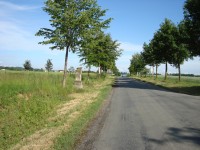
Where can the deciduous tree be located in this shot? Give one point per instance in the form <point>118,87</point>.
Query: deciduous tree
<point>165,43</point>
<point>71,21</point>
<point>100,51</point>
<point>137,64</point>
<point>180,53</point>
<point>192,22</point>
<point>27,65</point>
<point>49,65</point>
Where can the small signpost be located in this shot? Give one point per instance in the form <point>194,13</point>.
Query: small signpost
<point>78,79</point>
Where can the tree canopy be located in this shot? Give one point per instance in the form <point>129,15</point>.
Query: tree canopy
<point>100,51</point>
<point>167,46</point>
<point>137,64</point>
<point>173,44</point>
<point>192,22</point>
<point>27,65</point>
<point>71,22</point>
<point>165,43</point>
<point>49,65</point>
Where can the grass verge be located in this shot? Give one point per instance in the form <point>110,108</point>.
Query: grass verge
<point>35,108</point>
<point>69,139</point>
<point>187,85</point>
<point>27,99</point>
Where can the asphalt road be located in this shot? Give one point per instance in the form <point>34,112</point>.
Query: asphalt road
<point>146,117</point>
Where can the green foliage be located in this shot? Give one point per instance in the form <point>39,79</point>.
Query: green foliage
<point>144,72</point>
<point>148,54</point>
<point>137,64</point>
<point>192,22</point>
<point>71,70</point>
<point>116,71</point>
<point>27,65</point>
<point>181,49</point>
<point>71,22</point>
<point>175,43</point>
<point>167,46</point>
<point>165,38</point>
<point>180,53</point>
<point>49,65</point>
<point>100,50</point>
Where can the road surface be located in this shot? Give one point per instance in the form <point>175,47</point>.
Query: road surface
<point>146,117</point>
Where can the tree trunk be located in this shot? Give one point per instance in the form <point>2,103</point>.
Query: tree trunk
<point>65,67</point>
<point>179,72</point>
<point>99,69</point>
<point>166,70</point>
<point>88,72</point>
<point>156,71</point>
<point>153,72</point>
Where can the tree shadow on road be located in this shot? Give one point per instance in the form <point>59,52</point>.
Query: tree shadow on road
<point>125,82</point>
<point>194,90</point>
<point>179,135</point>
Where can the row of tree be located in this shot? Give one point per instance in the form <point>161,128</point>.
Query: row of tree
<point>101,51</point>
<point>48,66</point>
<point>78,26</point>
<point>172,44</point>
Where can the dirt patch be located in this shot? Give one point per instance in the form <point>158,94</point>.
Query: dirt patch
<point>25,96</point>
<point>43,139</point>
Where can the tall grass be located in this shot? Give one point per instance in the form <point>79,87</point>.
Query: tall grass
<point>27,99</point>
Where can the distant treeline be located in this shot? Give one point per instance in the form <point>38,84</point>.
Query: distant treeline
<point>19,68</point>
<point>187,75</point>
<point>34,69</point>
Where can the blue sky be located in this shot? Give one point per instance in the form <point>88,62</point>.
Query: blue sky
<point>134,22</point>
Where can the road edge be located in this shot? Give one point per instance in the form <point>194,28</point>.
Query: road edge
<point>95,126</point>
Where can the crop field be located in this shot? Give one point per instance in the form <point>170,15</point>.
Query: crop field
<point>34,101</point>
<point>187,85</point>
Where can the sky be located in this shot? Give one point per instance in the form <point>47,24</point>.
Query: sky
<point>134,22</point>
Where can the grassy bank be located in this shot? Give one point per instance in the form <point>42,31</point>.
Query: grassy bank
<point>187,85</point>
<point>69,139</point>
<point>26,100</point>
<point>33,104</point>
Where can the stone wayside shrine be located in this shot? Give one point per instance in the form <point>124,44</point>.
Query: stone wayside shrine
<point>78,79</point>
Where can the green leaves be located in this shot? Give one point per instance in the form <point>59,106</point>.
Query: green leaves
<point>192,22</point>
<point>167,46</point>
<point>137,63</point>
<point>100,50</point>
<point>27,65</point>
<point>71,20</point>
<point>49,65</point>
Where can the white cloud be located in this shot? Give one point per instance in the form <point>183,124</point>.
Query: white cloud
<point>13,32</point>
<point>130,47</point>
<point>11,6</point>
<point>14,37</point>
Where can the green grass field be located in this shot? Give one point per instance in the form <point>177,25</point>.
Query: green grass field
<point>28,99</point>
<point>187,85</point>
